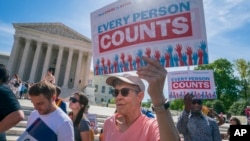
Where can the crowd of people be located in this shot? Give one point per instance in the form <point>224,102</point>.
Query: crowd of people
<point>129,122</point>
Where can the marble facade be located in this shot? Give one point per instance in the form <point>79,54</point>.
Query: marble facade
<point>39,46</point>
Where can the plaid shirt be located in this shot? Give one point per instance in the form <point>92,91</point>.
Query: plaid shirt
<point>201,128</point>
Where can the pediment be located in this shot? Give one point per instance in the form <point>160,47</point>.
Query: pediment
<point>54,28</point>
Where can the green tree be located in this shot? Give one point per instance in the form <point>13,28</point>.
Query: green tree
<point>146,104</point>
<point>225,82</point>
<point>243,68</point>
<point>238,108</point>
<point>217,105</point>
<point>112,101</point>
<point>177,104</point>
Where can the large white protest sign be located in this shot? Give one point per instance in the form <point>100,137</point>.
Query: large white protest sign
<point>171,31</point>
<point>197,82</point>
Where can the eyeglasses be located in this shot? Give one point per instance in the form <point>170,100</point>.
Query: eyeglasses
<point>73,100</point>
<point>197,102</point>
<point>124,92</point>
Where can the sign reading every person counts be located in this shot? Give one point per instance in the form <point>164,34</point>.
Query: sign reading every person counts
<point>200,83</point>
<point>171,31</point>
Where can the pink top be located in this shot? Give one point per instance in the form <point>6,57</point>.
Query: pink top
<point>143,129</point>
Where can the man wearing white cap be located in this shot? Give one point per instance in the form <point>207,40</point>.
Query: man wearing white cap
<point>129,123</point>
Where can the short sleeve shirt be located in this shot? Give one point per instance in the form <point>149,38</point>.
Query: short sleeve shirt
<point>84,126</point>
<point>143,129</point>
<point>8,102</point>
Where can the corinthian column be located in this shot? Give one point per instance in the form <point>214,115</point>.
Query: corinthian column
<point>78,70</point>
<point>24,57</point>
<point>34,63</point>
<point>47,59</point>
<point>88,68</point>
<point>66,78</point>
<point>58,62</point>
<point>13,55</point>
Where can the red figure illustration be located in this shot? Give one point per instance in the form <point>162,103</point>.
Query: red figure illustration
<point>200,54</point>
<point>96,69</point>
<point>148,52</point>
<point>123,58</point>
<point>167,58</point>
<point>108,64</point>
<point>138,61</point>
<point>189,53</point>
<point>157,55</point>
<point>130,59</point>
<point>178,50</point>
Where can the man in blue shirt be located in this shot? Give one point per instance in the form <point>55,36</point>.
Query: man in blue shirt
<point>194,125</point>
<point>10,109</point>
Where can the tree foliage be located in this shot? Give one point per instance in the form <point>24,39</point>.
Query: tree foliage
<point>177,104</point>
<point>217,105</point>
<point>146,104</point>
<point>238,108</point>
<point>243,69</point>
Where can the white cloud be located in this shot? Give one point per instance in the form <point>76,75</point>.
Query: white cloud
<point>6,29</point>
<point>225,15</point>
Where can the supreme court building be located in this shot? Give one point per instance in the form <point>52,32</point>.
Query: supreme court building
<point>39,46</point>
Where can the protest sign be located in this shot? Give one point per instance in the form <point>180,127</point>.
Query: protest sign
<point>198,82</point>
<point>172,31</point>
<point>93,121</point>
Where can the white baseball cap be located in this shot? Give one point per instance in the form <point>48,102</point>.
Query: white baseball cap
<point>127,78</point>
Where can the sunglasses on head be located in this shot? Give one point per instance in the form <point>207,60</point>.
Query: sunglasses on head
<point>124,92</point>
<point>197,102</point>
<point>73,100</point>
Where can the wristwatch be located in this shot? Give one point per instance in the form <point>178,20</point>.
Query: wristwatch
<point>161,108</point>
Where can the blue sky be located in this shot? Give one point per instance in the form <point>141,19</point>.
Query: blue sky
<point>227,22</point>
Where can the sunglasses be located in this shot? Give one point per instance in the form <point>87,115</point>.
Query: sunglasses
<point>124,92</point>
<point>197,102</point>
<point>73,100</point>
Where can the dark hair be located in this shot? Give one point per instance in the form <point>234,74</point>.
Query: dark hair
<point>83,100</point>
<point>45,88</point>
<point>4,73</point>
<point>236,120</point>
<point>58,90</point>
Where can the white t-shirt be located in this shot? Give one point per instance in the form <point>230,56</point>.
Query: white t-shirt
<point>58,121</point>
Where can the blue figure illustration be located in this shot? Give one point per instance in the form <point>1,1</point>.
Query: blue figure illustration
<point>105,69</point>
<point>176,60</point>
<point>120,68</point>
<point>184,59</point>
<point>127,66</point>
<point>112,68</point>
<point>203,47</point>
<point>162,60</point>
<point>134,64</point>
<point>195,58</point>
<point>140,54</point>
<point>100,70</point>
<point>202,95</point>
<point>170,51</point>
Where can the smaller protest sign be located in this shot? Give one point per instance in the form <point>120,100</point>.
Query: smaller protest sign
<point>200,83</point>
<point>93,121</point>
